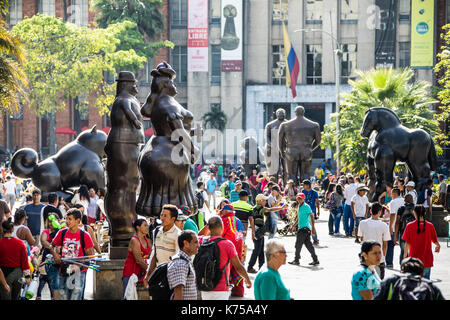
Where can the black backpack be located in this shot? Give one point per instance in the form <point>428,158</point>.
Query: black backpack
<point>412,287</point>
<point>158,284</point>
<point>421,196</point>
<point>199,197</point>
<point>407,217</point>
<point>207,265</point>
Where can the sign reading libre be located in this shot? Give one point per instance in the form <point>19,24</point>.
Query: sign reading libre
<point>422,33</point>
<point>198,36</point>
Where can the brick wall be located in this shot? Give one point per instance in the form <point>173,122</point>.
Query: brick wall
<point>164,53</point>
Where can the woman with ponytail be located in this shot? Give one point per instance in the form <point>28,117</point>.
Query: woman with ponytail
<point>138,252</point>
<point>418,237</point>
<point>365,281</point>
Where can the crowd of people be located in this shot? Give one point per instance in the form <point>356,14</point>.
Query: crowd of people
<point>233,209</point>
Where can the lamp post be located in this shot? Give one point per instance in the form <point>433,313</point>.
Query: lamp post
<point>337,71</point>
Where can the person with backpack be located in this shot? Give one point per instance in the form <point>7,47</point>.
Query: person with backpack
<point>409,285</point>
<point>213,263</point>
<point>425,198</point>
<point>418,237</point>
<point>165,239</point>
<point>201,198</point>
<point>227,186</point>
<point>71,242</point>
<point>405,215</point>
<point>180,270</point>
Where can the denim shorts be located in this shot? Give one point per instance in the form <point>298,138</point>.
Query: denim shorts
<point>53,276</point>
<point>358,220</point>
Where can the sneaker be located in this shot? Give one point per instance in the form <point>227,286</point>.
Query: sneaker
<point>295,262</point>
<point>357,240</point>
<point>314,263</point>
<point>251,270</point>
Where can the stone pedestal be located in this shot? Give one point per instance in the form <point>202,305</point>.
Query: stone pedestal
<point>441,226</point>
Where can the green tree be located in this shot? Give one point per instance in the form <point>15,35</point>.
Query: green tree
<point>145,34</point>
<point>389,88</point>
<point>66,61</point>
<point>13,79</point>
<point>442,92</point>
<point>215,119</point>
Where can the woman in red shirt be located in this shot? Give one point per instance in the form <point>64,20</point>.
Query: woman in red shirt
<point>138,251</point>
<point>418,236</point>
<point>13,262</point>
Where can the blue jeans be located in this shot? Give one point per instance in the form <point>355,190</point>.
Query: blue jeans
<point>337,213</point>
<point>53,276</point>
<point>124,284</point>
<point>427,273</point>
<point>348,215</point>
<point>330,223</point>
<point>72,287</point>
<point>274,220</point>
<point>390,252</point>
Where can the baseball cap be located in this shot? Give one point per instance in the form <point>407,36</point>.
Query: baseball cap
<point>411,184</point>
<point>260,197</point>
<point>301,195</point>
<point>227,207</point>
<point>181,216</point>
<point>238,182</point>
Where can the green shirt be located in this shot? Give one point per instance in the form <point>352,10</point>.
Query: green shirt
<point>220,170</point>
<point>258,215</point>
<point>303,216</point>
<point>190,225</point>
<point>268,285</point>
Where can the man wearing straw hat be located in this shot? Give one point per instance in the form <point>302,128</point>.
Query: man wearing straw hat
<point>360,207</point>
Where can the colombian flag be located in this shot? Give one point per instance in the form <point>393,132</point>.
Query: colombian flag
<point>292,65</point>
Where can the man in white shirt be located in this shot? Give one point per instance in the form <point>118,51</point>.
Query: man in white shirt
<point>376,230</point>
<point>410,190</point>
<point>392,208</point>
<point>349,192</point>
<point>10,191</point>
<point>360,207</point>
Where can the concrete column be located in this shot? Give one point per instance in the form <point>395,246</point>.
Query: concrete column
<point>366,34</point>
<point>330,23</point>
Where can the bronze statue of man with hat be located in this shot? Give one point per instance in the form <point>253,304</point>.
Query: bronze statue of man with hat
<point>273,159</point>
<point>122,148</point>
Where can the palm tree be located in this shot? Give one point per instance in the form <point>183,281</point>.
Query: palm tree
<point>389,88</point>
<point>12,57</point>
<point>215,119</point>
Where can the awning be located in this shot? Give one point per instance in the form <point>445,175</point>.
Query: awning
<point>148,132</point>
<point>106,130</point>
<point>65,130</point>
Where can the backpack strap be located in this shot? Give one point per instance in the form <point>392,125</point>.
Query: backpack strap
<point>216,241</point>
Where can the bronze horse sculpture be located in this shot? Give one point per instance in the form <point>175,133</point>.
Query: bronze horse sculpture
<point>394,142</point>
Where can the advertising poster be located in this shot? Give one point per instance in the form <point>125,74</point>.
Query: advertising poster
<point>385,34</point>
<point>422,31</point>
<point>231,31</point>
<point>197,35</point>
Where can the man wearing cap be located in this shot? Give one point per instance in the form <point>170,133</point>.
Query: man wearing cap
<point>305,228</point>
<point>183,222</point>
<point>261,218</point>
<point>410,190</point>
<point>122,148</point>
<point>34,213</point>
<point>234,194</point>
<point>360,207</point>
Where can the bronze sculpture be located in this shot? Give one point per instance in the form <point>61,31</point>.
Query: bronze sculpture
<point>122,147</point>
<point>251,156</point>
<point>274,160</point>
<point>79,162</point>
<point>297,140</point>
<point>394,142</point>
<point>164,162</point>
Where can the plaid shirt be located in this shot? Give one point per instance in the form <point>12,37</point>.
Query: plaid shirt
<point>181,272</point>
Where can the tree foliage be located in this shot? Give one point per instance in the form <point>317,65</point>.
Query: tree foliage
<point>144,35</point>
<point>215,119</point>
<point>389,88</point>
<point>442,70</point>
<point>69,61</point>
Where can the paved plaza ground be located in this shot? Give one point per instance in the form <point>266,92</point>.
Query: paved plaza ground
<point>331,279</point>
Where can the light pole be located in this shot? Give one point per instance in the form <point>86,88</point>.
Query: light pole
<point>337,71</point>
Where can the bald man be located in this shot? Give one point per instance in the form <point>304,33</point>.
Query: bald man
<point>297,140</point>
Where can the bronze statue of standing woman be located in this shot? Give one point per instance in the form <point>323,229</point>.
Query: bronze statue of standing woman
<point>166,158</point>
<point>122,148</point>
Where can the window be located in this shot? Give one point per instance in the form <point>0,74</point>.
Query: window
<point>15,12</point>
<point>46,7</point>
<point>179,63</point>
<point>79,12</point>
<point>404,54</point>
<point>215,64</point>
<point>348,65</point>
<point>349,11</point>
<point>313,64</point>
<point>313,11</point>
<point>145,73</point>
<point>178,16</point>
<point>278,65</point>
<point>280,10</point>
<point>404,11</point>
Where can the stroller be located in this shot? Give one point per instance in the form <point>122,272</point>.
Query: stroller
<point>291,220</point>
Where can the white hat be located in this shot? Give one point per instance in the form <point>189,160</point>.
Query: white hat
<point>411,184</point>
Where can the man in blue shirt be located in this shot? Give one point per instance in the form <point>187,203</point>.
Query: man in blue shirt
<point>311,198</point>
<point>34,212</point>
<point>304,231</point>
<point>211,185</point>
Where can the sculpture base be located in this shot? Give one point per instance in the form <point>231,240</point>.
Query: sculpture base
<point>108,281</point>
<point>118,252</point>
<point>437,219</point>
